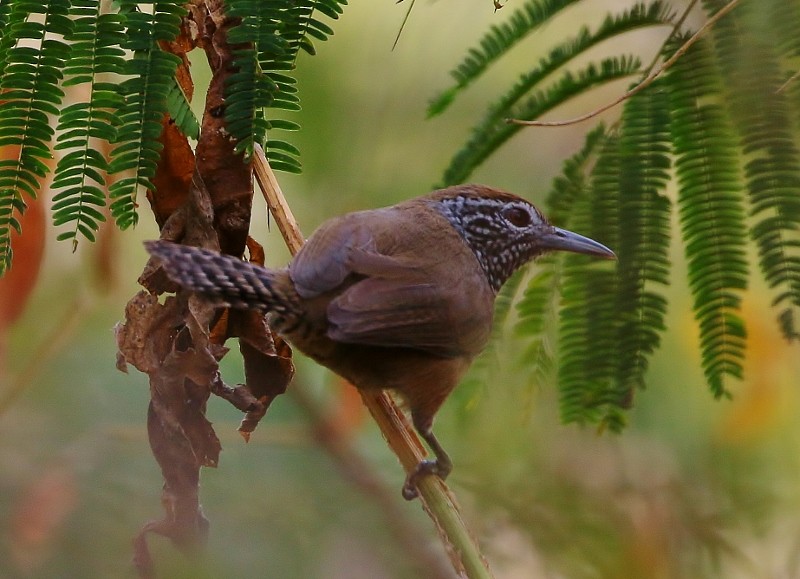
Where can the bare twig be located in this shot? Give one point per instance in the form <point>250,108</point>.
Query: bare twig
<point>403,24</point>
<point>276,203</point>
<point>789,81</point>
<point>437,500</point>
<point>675,28</point>
<point>649,79</point>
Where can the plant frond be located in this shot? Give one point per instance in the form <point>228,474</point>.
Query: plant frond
<point>644,236</point>
<point>493,131</point>
<point>180,111</point>
<point>6,39</point>
<point>33,59</point>
<point>80,174</point>
<point>497,42</point>
<point>152,72</point>
<point>538,304</point>
<point>11,205</point>
<point>536,310</point>
<point>712,215</point>
<point>303,25</point>
<point>271,34</point>
<point>588,363</point>
<point>780,24</point>
<point>641,15</point>
<point>752,68</point>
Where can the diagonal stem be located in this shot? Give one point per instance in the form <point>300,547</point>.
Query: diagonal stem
<point>437,499</point>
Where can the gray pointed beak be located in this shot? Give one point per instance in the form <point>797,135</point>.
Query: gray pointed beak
<point>562,240</point>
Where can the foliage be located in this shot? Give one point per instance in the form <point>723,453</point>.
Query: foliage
<point>711,211</point>
<point>30,92</point>
<point>720,115</point>
<point>526,99</point>
<point>109,140</point>
<point>731,138</point>
<point>271,33</point>
<point>745,49</point>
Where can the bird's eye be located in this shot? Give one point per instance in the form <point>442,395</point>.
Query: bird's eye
<point>517,216</point>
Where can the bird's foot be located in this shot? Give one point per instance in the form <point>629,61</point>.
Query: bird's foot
<point>423,469</point>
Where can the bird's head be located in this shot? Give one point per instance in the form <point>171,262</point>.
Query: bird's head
<point>505,231</point>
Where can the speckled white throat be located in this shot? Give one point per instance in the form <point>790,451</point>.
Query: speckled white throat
<point>501,230</point>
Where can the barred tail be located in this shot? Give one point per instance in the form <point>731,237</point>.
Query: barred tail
<point>225,278</point>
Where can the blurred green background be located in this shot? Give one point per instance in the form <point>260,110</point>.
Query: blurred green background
<point>693,488</point>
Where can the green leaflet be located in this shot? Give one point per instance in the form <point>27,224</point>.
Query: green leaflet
<point>536,307</point>
<point>271,35</point>
<point>711,210</point>
<point>748,48</point>
<point>113,49</point>
<point>30,90</point>
<point>180,111</point>
<point>644,235</point>
<point>496,43</point>
<point>80,176</point>
<point>611,319</point>
<point>150,74</point>
<point>586,343</point>
<point>492,132</point>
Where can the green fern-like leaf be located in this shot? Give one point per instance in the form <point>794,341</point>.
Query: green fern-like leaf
<point>152,71</point>
<point>80,173</point>
<point>644,236</point>
<point>180,111</point>
<point>33,61</point>
<point>492,132</point>
<point>250,89</point>
<point>271,35</point>
<point>497,42</point>
<point>536,310</point>
<point>6,39</point>
<point>639,16</point>
<point>711,210</point>
<point>571,185</point>
<point>752,66</point>
<point>537,306</point>
<point>779,23</point>
<point>303,26</point>
<point>611,317</point>
<point>587,357</point>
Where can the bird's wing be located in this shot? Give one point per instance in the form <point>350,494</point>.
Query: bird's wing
<point>422,303</point>
<point>392,284</point>
<point>323,264</point>
<point>347,248</point>
<point>393,313</point>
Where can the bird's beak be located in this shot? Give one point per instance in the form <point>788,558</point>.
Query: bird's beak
<point>562,240</point>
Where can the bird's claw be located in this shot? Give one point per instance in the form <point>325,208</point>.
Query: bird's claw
<point>423,469</point>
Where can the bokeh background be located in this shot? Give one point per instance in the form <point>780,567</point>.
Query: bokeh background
<point>693,488</point>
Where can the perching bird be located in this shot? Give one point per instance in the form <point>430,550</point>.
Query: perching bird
<point>396,298</point>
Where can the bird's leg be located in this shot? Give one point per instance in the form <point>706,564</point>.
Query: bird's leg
<point>440,466</point>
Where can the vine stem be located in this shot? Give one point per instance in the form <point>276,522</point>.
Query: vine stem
<point>648,80</point>
<point>437,498</point>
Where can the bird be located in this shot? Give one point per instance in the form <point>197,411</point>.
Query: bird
<point>399,298</point>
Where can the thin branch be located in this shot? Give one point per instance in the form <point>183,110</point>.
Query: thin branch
<point>276,203</point>
<point>678,25</point>
<point>789,81</point>
<point>649,79</point>
<point>437,499</point>
<point>403,24</point>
